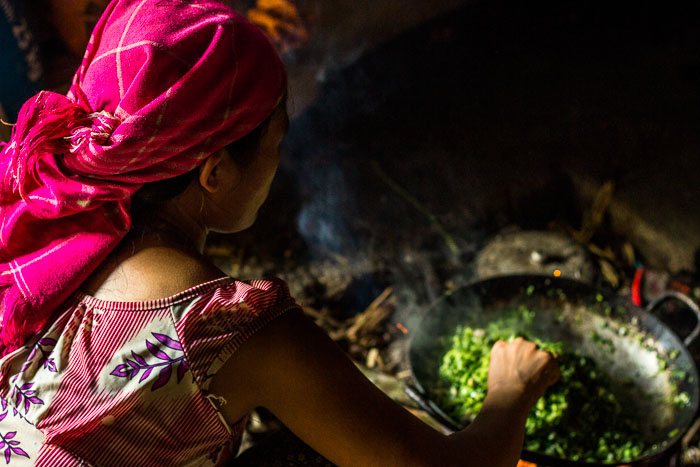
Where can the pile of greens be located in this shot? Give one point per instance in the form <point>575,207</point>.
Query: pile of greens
<point>583,417</point>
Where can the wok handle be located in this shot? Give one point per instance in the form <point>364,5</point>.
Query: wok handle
<point>689,302</point>
<point>419,397</point>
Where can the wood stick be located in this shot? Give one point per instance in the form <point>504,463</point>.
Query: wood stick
<point>323,317</point>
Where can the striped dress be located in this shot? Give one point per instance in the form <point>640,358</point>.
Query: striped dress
<point>126,383</point>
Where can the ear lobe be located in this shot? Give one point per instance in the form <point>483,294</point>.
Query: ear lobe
<point>213,173</point>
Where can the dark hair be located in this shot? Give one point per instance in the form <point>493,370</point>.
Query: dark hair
<point>150,198</point>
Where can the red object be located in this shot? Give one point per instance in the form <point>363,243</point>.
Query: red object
<point>637,286</point>
<point>681,287</point>
<point>162,86</point>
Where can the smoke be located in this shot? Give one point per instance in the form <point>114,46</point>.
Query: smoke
<point>323,218</point>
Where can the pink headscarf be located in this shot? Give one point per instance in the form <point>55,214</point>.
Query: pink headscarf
<point>163,84</point>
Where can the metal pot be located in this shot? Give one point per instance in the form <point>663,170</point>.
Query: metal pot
<point>569,311</point>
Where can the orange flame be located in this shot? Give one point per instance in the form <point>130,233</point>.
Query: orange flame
<point>522,463</point>
<point>281,20</point>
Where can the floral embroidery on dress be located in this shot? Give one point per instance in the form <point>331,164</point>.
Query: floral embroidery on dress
<point>26,394</point>
<point>132,368</point>
<point>10,445</point>
<point>46,358</point>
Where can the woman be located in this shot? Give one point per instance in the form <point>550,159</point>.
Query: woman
<point>121,343</point>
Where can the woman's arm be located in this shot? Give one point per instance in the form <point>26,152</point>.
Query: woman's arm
<point>294,369</point>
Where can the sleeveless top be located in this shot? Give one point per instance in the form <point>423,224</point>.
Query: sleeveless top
<point>126,383</point>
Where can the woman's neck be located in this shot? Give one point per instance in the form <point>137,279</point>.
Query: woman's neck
<point>172,227</point>
<point>180,227</point>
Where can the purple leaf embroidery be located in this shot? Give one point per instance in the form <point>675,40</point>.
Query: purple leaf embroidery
<point>3,402</point>
<point>163,378</point>
<point>121,370</point>
<point>7,443</point>
<point>164,363</point>
<point>139,358</point>
<point>167,341</point>
<point>25,394</point>
<point>181,370</point>
<point>20,451</point>
<point>146,374</point>
<point>44,341</point>
<point>156,351</point>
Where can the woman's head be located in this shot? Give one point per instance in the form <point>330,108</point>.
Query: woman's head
<point>226,191</point>
<point>234,189</point>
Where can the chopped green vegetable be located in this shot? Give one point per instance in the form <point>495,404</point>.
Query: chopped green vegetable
<point>582,417</point>
<point>677,373</point>
<point>682,399</point>
<point>605,344</point>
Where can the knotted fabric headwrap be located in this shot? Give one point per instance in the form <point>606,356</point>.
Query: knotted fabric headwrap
<point>163,84</point>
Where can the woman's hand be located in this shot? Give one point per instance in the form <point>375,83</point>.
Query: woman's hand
<point>519,370</point>
<point>519,373</point>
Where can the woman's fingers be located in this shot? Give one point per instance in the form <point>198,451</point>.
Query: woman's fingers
<point>521,366</point>
<point>552,373</point>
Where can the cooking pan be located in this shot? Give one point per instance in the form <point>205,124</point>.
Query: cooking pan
<point>642,349</point>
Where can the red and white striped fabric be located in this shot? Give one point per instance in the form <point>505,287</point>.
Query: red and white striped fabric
<point>114,383</point>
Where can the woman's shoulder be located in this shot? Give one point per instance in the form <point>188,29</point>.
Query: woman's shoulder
<point>151,273</point>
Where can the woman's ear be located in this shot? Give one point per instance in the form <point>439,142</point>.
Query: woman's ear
<point>216,171</point>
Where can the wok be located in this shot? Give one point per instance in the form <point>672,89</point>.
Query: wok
<point>570,311</point>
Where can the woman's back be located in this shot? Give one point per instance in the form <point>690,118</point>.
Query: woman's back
<point>156,270</point>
